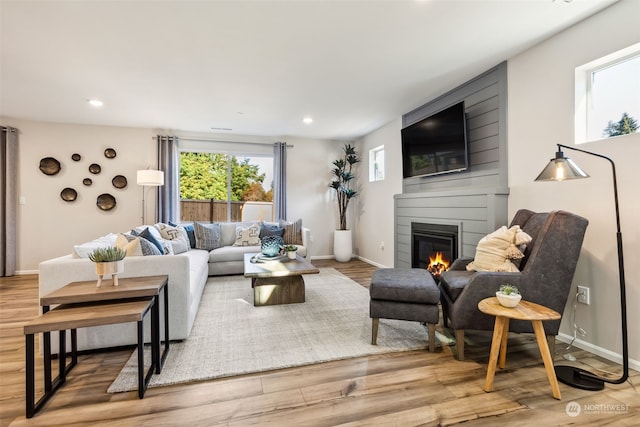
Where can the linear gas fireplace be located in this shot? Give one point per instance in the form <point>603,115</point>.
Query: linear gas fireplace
<point>434,246</point>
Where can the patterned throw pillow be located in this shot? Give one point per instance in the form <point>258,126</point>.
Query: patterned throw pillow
<point>207,235</point>
<point>177,237</point>
<point>292,232</point>
<point>247,236</point>
<point>191,232</point>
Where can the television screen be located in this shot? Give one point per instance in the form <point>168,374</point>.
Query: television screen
<point>436,144</point>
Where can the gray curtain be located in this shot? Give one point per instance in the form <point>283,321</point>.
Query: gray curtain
<point>168,197</point>
<point>280,180</point>
<point>8,200</point>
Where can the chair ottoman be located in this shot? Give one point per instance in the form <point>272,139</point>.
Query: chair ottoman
<point>404,294</point>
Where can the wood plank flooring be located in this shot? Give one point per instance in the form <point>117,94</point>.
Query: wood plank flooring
<point>414,388</point>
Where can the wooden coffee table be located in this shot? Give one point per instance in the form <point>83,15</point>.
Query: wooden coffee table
<point>277,282</point>
<point>525,310</point>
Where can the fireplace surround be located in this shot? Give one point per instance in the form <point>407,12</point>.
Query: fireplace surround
<point>429,240</point>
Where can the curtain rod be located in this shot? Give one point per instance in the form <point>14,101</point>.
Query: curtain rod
<point>220,140</point>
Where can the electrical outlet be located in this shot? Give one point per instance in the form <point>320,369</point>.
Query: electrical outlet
<point>382,246</point>
<point>583,295</point>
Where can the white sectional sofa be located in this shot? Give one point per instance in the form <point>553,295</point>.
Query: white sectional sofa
<point>187,271</point>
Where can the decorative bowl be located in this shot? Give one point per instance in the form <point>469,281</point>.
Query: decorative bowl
<point>509,301</point>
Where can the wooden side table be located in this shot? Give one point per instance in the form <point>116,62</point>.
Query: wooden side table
<point>525,310</point>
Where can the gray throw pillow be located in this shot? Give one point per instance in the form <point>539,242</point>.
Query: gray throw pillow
<point>147,247</point>
<point>270,229</point>
<point>207,235</point>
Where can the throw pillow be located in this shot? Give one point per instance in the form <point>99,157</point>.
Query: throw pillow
<point>177,237</point>
<point>207,235</point>
<point>270,229</point>
<point>496,250</point>
<point>132,247</point>
<point>191,233</point>
<point>292,232</point>
<point>146,246</point>
<point>247,236</point>
<point>146,234</point>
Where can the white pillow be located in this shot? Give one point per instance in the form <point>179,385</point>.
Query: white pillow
<point>248,236</point>
<point>83,250</point>
<point>496,250</point>
<point>132,247</point>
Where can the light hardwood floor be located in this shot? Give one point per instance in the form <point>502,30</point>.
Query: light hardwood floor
<point>400,389</point>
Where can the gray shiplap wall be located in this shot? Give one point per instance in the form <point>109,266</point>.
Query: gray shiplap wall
<point>476,199</point>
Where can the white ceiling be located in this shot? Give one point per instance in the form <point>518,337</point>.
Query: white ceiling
<point>257,67</point>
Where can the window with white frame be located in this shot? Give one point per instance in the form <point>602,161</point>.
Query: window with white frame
<point>607,96</point>
<point>376,164</point>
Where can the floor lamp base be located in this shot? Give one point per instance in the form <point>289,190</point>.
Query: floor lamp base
<point>574,377</point>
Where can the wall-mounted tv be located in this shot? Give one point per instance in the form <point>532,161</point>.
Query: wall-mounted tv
<point>436,144</point>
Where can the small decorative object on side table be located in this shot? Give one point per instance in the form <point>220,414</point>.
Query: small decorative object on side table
<point>290,250</point>
<point>508,296</point>
<point>108,260</point>
<point>270,245</point>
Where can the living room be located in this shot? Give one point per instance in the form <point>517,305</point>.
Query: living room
<point>540,115</point>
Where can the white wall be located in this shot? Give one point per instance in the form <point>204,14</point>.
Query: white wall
<point>373,210</point>
<point>48,227</point>
<point>541,114</point>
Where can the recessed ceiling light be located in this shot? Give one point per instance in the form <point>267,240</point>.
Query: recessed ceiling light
<point>307,120</point>
<point>95,103</point>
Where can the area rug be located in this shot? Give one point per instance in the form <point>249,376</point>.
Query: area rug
<point>232,337</point>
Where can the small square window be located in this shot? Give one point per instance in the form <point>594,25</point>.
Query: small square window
<point>608,96</point>
<point>376,164</point>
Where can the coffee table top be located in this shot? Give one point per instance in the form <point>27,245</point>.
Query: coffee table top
<point>130,287</point>
<point>525,310</point>
<point>282,268</point>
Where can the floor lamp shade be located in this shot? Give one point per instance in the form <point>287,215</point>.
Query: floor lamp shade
<point>151,178</point>
<point>562,168</point>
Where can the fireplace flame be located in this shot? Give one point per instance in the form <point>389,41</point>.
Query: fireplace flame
<point>437,264</point>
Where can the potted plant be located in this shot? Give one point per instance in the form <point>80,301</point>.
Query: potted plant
<point>109,260</point>
<point>290,250</point>
<point>342,181</point>
<point>508,295</point>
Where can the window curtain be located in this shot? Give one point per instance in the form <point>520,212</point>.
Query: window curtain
<point>8,200</point>
<point>168,197</point>
<point>280,180</point>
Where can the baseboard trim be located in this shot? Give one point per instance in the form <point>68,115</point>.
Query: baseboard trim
<point>368,261</point>
<point>25,272</point>
<point>599,351</point>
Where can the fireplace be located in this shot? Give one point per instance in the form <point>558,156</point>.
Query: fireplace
<point>434,246</point>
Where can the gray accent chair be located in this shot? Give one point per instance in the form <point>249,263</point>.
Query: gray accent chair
<point>545,276</point>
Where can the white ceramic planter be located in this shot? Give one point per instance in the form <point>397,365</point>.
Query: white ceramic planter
<point>342,245</point>
<point>291,254</point>
<point>113,268</point>
<point>509,301</point>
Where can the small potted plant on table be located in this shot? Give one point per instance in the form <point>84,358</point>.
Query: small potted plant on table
<point>508,295</point>
<point>290,250</point>
<point>108,260</point>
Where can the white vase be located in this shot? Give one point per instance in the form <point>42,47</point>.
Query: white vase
<point>113,268</point>
<point>291,254</point>
<point>342,245</point>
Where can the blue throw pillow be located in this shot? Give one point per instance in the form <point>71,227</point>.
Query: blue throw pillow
<point>191,232</point>
<point>147,235</point>
<point>270,229</point>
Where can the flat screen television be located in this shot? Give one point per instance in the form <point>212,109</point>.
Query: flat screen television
<point>436,144</point>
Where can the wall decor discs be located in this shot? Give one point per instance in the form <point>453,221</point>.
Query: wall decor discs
<point>76,157</point>
<point>110,153</point>
<point>68,194</point>
<point>94,168</point>
<point>119,181</point>
<point>49,166</point>
<point>87,181</point>
<point>106,202</point>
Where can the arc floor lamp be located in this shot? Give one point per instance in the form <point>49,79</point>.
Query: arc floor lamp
<point>562,168</point>
<point>148,178</point>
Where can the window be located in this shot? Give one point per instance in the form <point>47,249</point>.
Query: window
<point>376,164</point>
<point>608,96</point>
<point>225,187</point>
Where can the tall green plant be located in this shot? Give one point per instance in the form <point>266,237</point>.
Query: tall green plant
<point>343,178</point>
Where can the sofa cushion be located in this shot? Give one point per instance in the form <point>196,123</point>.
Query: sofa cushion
<point>176,236</point>
<point>292,232</point>
<point>191,232</point>
<point>231,253</point>
<point>247,236</point>
<point>146,246</point>
<point>148,235</point>
<point>83,250</point>
<point>208,236</point>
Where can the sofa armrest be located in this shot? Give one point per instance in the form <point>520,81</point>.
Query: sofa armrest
<point>306,241</point>
<point>460,263</point>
